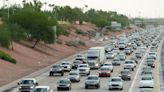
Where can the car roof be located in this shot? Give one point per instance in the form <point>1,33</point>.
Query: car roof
<point>42,87</point>
<point>29,79</point>
<point>92,75</point>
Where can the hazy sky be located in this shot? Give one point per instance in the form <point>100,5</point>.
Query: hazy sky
<point>131,8</point>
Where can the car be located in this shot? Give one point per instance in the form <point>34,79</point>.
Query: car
<point>84,69</point>
<point>133,57</point>
<point>147,72</point>
<point>138,54</point>
<point>64,83</point>
<point>42,89</point>
<point>56,69</point>
<point>122,56</point>
<point>104,71</point>
<point>76,63</point>
<point>67,66</point>
<point>150,62</point>
<point>110,55</point>
<point>116,50</point>
<point>146,90</point>
<point>128,51</point>
<point>125,74</point>
<point>74,76</point>
<point>142,49</point>
<point>129,64</point>
<point>146,82</point>
<point>116,61</point>
<point>152,54</point>
<point>81,58</point>
<point>27,84</point>
<point>109,64</point>
<point>115,83</point>
<point>92,80</point>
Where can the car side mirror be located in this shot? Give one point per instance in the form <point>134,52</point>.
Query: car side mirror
<point>36,84</point>
<point>18,83</point>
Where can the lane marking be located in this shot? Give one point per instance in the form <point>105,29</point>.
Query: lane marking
<point>157,80</point>
<point>135,77</point>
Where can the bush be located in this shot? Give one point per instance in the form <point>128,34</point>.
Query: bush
<point>72,43</point>
<point>82,43</point>
<point>7,57</point>
<point>80,32</point>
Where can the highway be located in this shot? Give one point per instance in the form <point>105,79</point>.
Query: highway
<point>129,86</point>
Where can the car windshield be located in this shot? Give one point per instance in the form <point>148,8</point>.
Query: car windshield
<point>63,81</point>
<point>151,53</point>
<point>73,74</point>
<point>107,64</point>
<point>27,82</point>
<point>146,78</point>
<point>128,62</point>
<point>56,66</point>
<point>82,65</point>
<point>104,69</point>
<point>124,72</point>
<point>92,78</point>
<point>115,80</point>
<point>40,90</point>
<point>65,63</point>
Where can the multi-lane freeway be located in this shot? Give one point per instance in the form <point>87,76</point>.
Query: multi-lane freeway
<point>128,86</point>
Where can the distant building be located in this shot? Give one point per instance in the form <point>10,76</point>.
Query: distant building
<point>116,26</point>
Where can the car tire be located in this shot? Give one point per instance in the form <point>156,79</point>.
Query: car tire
<point>98,86</point>
<point>109,89</point>
<point>86,87</point>
<point>121,88</point>
<point>132,69</point>
<point>129,79</point>
<point>62,74</point>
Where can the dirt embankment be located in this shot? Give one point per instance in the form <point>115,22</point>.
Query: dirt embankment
<point>30,60</point>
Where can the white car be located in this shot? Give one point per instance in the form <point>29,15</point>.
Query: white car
<point>109,64</point>
<point>84,69</point>
<point>42,89</point>
<point>129,64</point>
<point>74,76</point>
<point>146,82</point>
<point>67,66</point>
<point>115,83</point>
<point>116,61</point>
<point>110,55</point>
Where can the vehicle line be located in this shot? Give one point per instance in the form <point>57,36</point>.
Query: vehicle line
<point>135,77</point>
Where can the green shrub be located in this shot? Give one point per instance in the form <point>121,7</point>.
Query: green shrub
<point>72,43</point>
<point>82,43</point>
<point>7,57</point>
<point>80,32</point>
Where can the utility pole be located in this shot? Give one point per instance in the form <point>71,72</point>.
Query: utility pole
<point>8,10</point>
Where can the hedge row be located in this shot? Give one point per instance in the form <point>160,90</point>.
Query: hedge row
<point>7,57</point>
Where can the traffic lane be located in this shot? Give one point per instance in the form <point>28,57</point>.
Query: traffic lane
<point>155,75</point>
<point>44,79</point>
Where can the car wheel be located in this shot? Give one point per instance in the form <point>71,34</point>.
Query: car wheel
<point>86,87</point>
<point>58,88</point>
<point>98,86</point>
<point>121,88</point>
<point>109,88</point>
<point>129,78</point>
<point>132,69</point>
<point>62,74</point>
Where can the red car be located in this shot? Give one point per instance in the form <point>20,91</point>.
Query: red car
<point>104,71</point>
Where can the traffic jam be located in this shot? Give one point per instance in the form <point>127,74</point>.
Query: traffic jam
<point>113,67</point>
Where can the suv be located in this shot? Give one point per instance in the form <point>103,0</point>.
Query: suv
<point>84,69</point>
<point>129,64</point>
<point>92,80</point>
<point>128,51</point>
<point>56,68</point>
<point>67,66</point>
<point>27,84</point>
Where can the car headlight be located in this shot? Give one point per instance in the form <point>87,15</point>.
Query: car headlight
<point>51,69</point>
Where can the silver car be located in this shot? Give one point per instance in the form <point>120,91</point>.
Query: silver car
<point>84,69</point>
<point>64,83</point>
<point>74,76</point>
<point>92,80</point>
<point>115,83</point>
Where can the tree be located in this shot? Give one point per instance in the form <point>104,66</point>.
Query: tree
<point>5,38</point>
<point>37,24</point>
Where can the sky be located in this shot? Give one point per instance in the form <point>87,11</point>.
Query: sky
<point>131,8</point>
